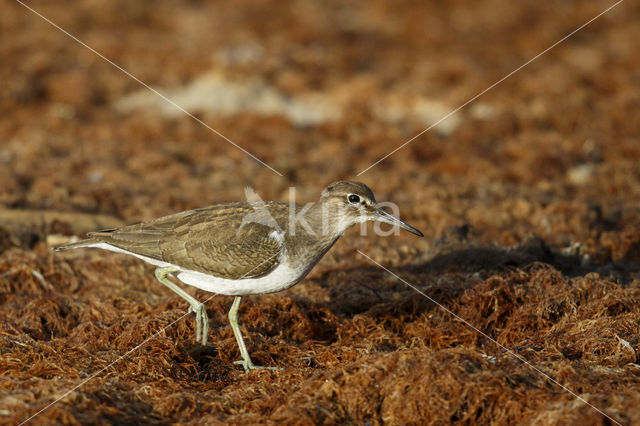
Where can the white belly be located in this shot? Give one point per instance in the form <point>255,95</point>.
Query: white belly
<point>282,277</point>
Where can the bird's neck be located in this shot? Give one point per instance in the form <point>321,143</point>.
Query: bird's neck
<point>319,221</point>
<point>312,230</point>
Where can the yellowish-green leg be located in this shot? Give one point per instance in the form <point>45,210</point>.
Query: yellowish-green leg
<point>202,321</point>
<point>246,359</point>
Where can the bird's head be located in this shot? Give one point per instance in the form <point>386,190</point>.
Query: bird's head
<point>349,203</point>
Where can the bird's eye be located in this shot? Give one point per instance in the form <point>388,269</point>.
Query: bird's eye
<point>353,198</point>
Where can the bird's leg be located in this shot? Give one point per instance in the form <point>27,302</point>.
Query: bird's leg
<point>246,359</point>
<point>202,321</point>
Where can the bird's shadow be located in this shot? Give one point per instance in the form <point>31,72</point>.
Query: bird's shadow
<point>446,275</point>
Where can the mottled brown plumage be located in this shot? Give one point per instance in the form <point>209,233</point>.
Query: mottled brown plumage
<point>212,240</point>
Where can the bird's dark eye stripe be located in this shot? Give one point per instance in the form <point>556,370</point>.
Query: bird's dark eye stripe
<point>353,198</point>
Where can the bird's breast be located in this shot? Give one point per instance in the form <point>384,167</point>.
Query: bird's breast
<point>280,278</point>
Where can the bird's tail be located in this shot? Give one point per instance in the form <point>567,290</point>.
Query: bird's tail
<point>82,243</point>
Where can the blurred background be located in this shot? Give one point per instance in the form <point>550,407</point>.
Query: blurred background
<point>319,91</point>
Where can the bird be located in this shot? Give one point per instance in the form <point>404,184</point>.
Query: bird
<point>243,248</point>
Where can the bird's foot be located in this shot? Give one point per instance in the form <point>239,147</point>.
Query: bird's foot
<point>248,366</point>
<point>202,322</point>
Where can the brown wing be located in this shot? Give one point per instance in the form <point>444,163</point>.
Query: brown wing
<point>212,240</point>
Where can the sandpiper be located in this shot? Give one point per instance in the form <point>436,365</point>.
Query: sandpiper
<point>243,248</point>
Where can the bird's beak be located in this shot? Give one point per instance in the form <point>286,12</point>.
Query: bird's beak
<point>385,217</point>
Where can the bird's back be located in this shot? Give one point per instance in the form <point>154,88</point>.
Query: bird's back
<point>236,240</point>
